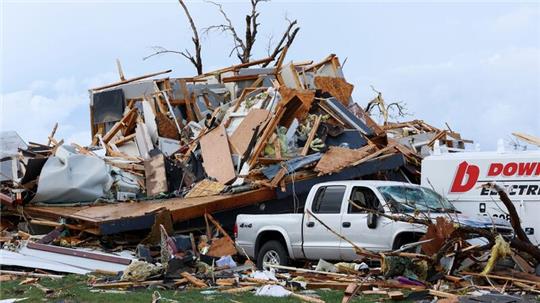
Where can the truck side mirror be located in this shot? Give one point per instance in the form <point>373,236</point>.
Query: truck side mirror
<point>372,220</point>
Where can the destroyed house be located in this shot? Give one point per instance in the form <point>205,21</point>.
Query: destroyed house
<point>240,139</point>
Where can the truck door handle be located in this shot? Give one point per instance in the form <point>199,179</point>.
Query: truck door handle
<point>310,224</point>
<point>346,224</point>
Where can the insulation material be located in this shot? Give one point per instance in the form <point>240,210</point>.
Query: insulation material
<point>156,179</point>
<point>140,271</point>
<point>338,158</point>
<point>74,178</point>
<point>337,87</point>
<point>217,160</point>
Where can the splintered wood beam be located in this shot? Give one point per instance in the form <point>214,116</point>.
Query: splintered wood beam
<point>131,80</point>
<point>118,125</point>
<point>268,131</point>
<point>124,140</point>
<point>234,67</point>
<point>51,136</point>
<point>311,136</point>
<point>120,71</point>
<point>193,280</point>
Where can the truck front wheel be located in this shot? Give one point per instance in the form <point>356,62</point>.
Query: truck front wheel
<point>272,252</point>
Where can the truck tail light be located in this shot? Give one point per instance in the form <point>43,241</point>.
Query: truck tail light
<point>235,230</point>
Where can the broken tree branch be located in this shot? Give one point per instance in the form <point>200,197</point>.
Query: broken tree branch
<point>196,59</point>
<point>514,217</point>
<point>521,242</point>
<point>286,40</point>
<point>243,46</point>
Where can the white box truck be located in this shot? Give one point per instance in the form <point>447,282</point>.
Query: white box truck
<point>458,177</point>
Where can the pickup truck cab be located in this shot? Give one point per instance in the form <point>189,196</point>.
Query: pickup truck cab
<point>283,237</point>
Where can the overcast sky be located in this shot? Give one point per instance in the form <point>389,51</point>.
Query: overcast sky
<point>475,65</point>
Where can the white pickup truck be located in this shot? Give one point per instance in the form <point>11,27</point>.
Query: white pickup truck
<point>280,238</point>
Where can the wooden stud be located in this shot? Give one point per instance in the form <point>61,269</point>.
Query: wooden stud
<point>311,136</point>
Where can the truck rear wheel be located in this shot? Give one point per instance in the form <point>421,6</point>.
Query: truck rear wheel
<point>272,252</point>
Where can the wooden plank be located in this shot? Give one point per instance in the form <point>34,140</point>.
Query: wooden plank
<point>131,80</point>
<point>234,67</point>
<point>244,132</point>
<point>118,125</point>
<point>193,280</point>
<point>311,136</point>
<point>268,131</point>
<point>216,155</point>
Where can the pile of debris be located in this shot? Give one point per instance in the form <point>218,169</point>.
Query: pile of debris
<point>223,141</point>
<point>173,160</point>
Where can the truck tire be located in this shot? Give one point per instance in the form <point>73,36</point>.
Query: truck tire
<point>272,252</point>
<point>406,239</point>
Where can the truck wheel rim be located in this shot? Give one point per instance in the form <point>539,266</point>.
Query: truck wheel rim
<point>271,257</point>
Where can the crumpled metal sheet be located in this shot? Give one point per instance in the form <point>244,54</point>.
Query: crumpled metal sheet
<point>73,178</point>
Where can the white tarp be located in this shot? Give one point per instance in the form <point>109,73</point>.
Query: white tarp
<point>72,177</point>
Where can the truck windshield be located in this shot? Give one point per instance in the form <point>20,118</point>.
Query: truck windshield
<point>414,198</point>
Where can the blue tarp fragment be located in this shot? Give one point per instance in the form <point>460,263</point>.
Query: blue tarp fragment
<point>291,165</point>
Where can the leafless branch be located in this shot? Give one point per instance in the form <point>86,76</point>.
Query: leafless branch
<point>401,108</point>
<point>243,46</point>
<point>386,110</point>
<point>228,27</point>
<point>286,39</point>
<point>196,59</point>
<point>158,50</point>
<point>269,45</point>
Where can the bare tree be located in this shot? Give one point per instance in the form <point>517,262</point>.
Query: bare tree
<point>386,110</point>
<point>196,59</point>
<point>244,47</point>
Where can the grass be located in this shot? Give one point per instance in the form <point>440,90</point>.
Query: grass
<point>74,288</point>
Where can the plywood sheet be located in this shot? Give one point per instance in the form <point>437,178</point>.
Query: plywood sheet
<point>244,132</point>
<point>337,158</point>
<point>337,87</point>
<point>216,155</point>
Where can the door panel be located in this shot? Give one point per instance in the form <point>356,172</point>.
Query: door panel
<point>319,242</point>
<point>377,238</point>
